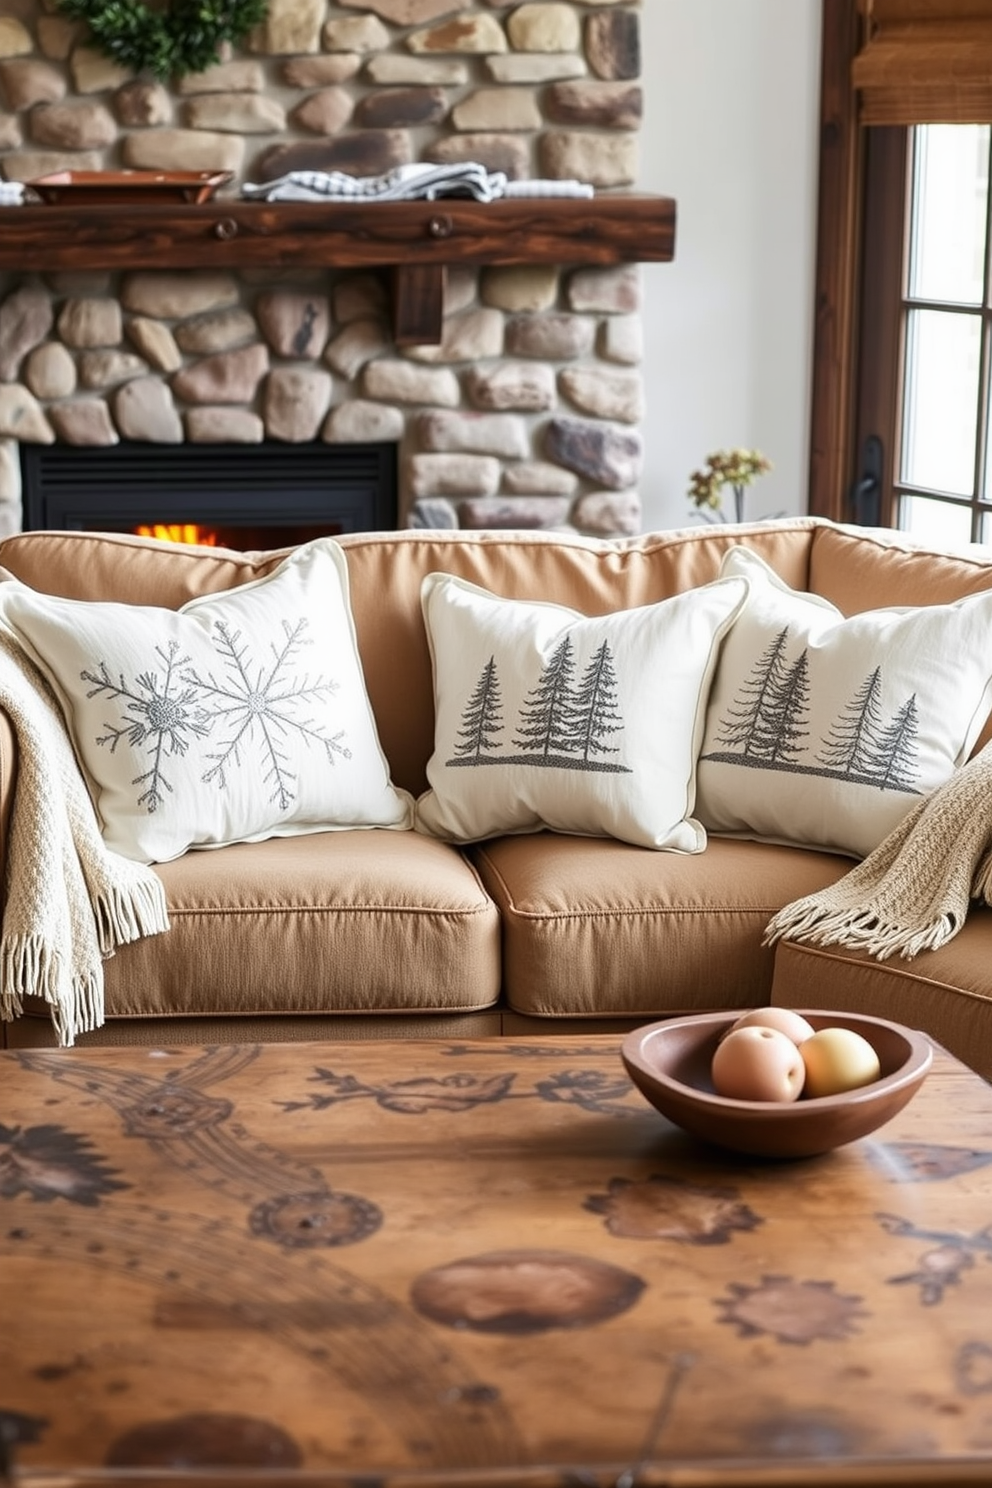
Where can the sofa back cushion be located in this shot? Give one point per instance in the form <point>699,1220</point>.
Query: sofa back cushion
<point>385,574</point>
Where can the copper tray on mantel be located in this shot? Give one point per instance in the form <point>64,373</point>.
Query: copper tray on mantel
<point>127,186</point>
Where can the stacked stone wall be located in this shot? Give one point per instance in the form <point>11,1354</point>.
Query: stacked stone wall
<point>526,415</point>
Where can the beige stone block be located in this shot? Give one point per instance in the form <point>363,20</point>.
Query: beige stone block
<point>104,369</point>
<point>50,371</point>
<point>453,475</point>
<point>11,137</point>
<point>295,401</point>
<point>225,77</point>
<point>25,165</point>
<point>84,421</point>
<point>613,43</point>
<point>294,323</point>
<point>144,410</point>
<point>608,514</point>
<point>595,104</point>
<point>73,126</point>
<point>183,149</point>
<point>534,513</point>
<point>223,426</point>
<point>552,338</point>
<point>519,386</point>
<point>238,113</point>
<point>21,416</point>
<point>520,289</point>
<point>394,68</point>
<point>501,434</point>
<point>155,342</point>
<point>355,34</point>
<point>15,38</point>
<point>497,152</point>
<point>318,72</point>
<point>10,473</point>
<point>143,104</point>
<point>289,27</point>
<point>28,83</point>
<point>614,291</point>
<point>355,345</point>
<point>535,67</point>
<point>407,12</point>
<point>467,32</point>
<point>597,159</point>
<point>91,323</point>
<point>217,330</point>
<point>474,336</point>
<point>360,422</point>
<point>394,381</point>
<point>177,296</point>
<point>92,72</point>
<point>26,318</point>
<point>323,112</point>
<point>539,478</point>
<point>227,377</point>
<point>57,36</point>
<point>461,287</point>
<point>498,108</point>
<point>604,393</point>
<point>621,339</point>
<point>544,28</point>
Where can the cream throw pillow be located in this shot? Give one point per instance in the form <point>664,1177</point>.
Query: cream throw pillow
<point>242,715</point>
<point>548,718</point>
<point>824,731</point>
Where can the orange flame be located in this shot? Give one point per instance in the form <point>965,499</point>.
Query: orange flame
<point>179,532</point>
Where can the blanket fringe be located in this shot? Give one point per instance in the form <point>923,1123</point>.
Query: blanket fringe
<point>862,930</point>
<point>123,915</point>
<point>29,967</point>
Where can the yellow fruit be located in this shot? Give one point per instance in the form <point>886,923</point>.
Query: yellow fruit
<point>837,1059</point>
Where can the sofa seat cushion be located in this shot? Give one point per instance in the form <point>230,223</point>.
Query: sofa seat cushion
<point>598,928</point>
<point>947,993</point>
<point>358,922</point>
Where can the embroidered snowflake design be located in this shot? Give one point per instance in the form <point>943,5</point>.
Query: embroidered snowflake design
<point>254,704</point>
<point>161,710</point>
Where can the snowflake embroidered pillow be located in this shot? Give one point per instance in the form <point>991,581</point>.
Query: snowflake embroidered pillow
<point>548,718</point>
<point>241,716</point>
<point>824,731</point>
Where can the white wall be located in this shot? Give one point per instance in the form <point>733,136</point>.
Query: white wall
<point>731,93</point>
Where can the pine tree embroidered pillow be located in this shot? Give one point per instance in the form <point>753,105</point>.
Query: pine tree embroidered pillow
<point>824,731</point>
<point>548,718</point>
<point>241,716</point>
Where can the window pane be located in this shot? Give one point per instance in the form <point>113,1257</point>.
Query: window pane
<point>940,411</point>
<point>947,237</point>
<point>935,522</point>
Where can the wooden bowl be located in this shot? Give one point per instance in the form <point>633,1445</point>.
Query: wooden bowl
<point>669,1062</point>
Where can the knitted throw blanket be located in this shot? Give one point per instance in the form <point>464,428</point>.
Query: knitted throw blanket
<point>912,893</point>
<point>69,900</point>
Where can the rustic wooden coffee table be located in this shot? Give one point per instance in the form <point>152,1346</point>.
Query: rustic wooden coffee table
<point>486,1263</point>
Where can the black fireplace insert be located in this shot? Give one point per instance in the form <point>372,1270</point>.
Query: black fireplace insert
<point>268,495</point>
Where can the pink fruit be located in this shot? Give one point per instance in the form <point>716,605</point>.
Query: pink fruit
<point>759,1064</point>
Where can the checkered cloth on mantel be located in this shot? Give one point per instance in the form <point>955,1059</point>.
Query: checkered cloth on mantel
<point>70,901</point>
<point>913,892</point>
<point>410,183</point>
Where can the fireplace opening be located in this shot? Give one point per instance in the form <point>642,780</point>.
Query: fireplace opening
<point>267,495</point>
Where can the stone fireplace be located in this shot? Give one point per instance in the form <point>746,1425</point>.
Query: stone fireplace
<point>523,412</point>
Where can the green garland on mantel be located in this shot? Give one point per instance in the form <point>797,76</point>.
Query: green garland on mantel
<point>185,37</point>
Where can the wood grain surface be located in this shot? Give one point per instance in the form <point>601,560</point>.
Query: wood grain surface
<point>486,1263</point>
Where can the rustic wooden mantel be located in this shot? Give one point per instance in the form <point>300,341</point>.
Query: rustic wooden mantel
<point>414,240</point>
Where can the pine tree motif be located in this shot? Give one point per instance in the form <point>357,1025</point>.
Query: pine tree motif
<point>161,710</point>
<point>482,719</point>
<point>853,741</point>
<point>764,722</point>
<point>595,711</point>
<point>892,763</point>
<point>546,725</point>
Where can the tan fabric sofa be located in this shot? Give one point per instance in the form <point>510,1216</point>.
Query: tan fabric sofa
<point>380,934</point>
